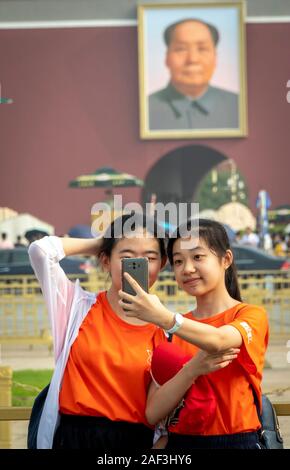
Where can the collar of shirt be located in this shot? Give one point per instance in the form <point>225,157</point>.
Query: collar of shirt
<point>181,103</point>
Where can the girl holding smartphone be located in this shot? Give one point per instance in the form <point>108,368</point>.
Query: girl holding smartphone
<point>204,268</point>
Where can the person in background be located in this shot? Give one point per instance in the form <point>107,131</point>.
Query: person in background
<point>268,243</point>
<point>5,243</point>
<point>19,243</point>
<point>238,237</point>
<point>250,238</point>
<point>287,241</point>
<point>280,247</point>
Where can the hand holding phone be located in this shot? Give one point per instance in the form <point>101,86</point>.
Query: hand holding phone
<point>138,269</point>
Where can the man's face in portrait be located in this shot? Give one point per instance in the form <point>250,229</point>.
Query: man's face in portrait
<point>191,57</point>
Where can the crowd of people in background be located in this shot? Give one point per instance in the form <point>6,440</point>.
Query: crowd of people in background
<point>281,244</point>
<point>6,243</point>
<point>277,244</point>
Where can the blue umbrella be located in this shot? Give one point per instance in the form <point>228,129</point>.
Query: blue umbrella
<point>80,231</point>
<point>230,232</point>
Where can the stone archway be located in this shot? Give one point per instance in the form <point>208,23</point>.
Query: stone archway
<point>176,175</point>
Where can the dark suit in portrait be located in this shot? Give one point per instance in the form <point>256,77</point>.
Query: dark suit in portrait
<point>215,109</point>
<point>189,101</point>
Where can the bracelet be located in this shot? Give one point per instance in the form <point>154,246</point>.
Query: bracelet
<point>178,322</point>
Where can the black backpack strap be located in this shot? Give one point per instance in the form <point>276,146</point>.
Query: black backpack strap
<point>256,401</point>
<point>35,416</point>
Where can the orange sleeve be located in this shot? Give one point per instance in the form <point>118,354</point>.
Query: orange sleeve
<point>252,323</point>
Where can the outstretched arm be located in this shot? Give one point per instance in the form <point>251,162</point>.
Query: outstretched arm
<point>147,307</point>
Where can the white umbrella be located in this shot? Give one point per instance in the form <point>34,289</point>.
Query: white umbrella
<point>236,215</point>
<point>21,223</point>
<point>208,214</point>
<point>6,213</point>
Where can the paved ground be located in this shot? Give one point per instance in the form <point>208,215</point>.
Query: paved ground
<point>276,379</point>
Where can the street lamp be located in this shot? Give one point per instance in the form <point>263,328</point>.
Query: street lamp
<point>214,180</point>
<point>233,180</point>
<point>5,100</point>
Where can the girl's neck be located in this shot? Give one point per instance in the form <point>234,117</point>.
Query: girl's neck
<point>211,304</point>
<point>113,299</point>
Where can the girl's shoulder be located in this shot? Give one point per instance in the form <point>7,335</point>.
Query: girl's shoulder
<point>241,309</point>
<point>252,314</point>
<point>250,308</point>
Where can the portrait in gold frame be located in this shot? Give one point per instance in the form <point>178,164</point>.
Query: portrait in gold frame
<point>192,70</point>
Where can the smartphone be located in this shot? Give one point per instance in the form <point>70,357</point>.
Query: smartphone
<point>138,269</point>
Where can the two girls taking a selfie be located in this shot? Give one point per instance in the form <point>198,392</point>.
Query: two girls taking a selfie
<point>102,395</point>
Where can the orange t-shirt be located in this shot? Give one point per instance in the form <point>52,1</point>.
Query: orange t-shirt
<point>236,411</point>
<point>108,370</point>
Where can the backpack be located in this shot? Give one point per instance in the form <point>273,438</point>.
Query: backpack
<point>35,416</point>
<point>269,434</point>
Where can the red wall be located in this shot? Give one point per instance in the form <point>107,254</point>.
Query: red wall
<point>75,109</point>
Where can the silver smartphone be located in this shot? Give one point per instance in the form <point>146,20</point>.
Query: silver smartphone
<point>138,269</point>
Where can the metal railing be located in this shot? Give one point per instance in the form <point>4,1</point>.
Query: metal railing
<point>24,320</point>
<point>9,414</point>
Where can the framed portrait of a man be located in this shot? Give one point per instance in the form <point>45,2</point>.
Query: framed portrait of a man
<point>192,70</point>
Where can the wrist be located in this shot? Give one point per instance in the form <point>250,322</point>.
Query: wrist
<point>168,320</point>
<point>192,369</point>
<point>178,321</point>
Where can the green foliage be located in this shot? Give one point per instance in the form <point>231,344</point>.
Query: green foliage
<point>277,228</point>
<point>210,199</point>
<point>27,384</point>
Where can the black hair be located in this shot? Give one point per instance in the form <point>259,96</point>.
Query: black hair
<point>170,30</point>
<point>119,229</point>
<point>215,236</point>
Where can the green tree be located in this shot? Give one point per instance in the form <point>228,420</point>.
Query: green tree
<point>228,187</point>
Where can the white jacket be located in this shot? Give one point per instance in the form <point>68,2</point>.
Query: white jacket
<point>67,304</point>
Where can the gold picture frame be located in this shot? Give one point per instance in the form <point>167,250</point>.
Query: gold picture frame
<point>180,47</point>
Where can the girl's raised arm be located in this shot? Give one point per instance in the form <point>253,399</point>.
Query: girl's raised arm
<point>58,291</point>
<point>80,246</point>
